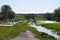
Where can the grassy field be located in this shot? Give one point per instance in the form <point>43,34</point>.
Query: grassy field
<point>13,31</point>
<point>55,27</point>
<point>40,18</point>
<point>19,18</point>
<point>22,18</point>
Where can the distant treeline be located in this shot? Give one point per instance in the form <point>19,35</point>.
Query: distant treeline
<point>37,15</point>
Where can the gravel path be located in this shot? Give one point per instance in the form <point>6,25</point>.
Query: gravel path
<point>28,35</point>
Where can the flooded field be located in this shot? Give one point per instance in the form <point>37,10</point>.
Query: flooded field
<point>45,30</point>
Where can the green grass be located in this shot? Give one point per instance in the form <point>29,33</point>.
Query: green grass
<point>19,18</point>
<point>40,18</point>
<point>22,18</point>
<point>15,30</point>
<point>55,27</point>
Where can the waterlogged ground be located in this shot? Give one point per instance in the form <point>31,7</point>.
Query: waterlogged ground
<point>45,30</point>
<point>37,34</point>
<point>15,30</point>
<point>46,22</point>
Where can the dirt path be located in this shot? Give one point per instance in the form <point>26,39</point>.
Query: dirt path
<point>28,35</point>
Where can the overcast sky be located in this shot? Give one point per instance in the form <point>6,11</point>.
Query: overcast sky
<point>32,6</point>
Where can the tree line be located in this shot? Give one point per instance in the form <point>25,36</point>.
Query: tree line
<point>7,13</point>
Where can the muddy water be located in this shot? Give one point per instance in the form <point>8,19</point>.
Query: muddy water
<point>45,30</point>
